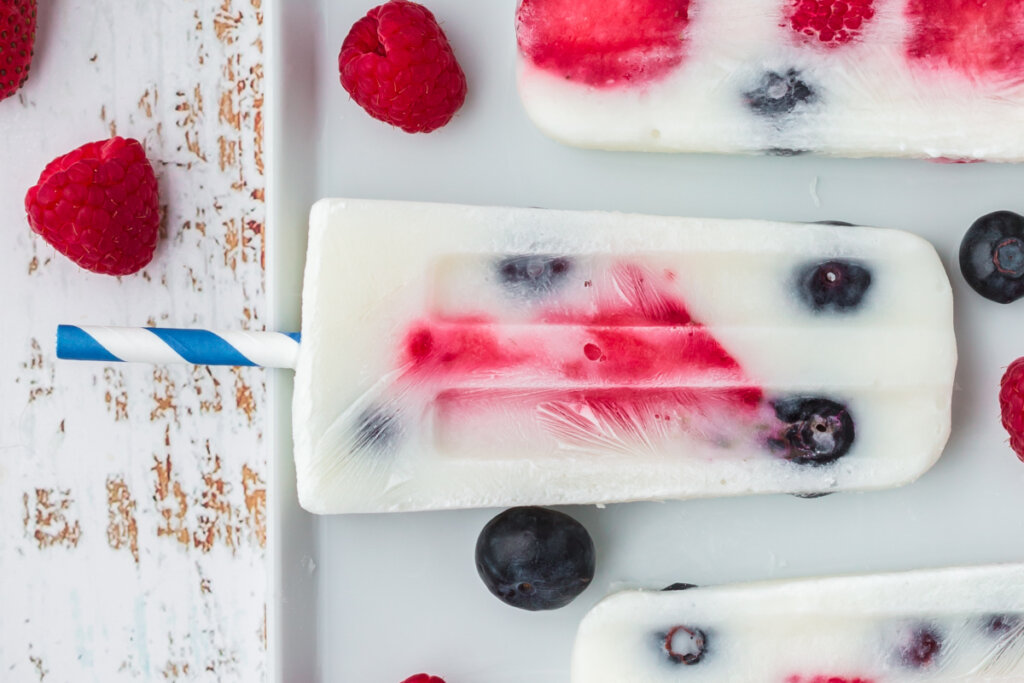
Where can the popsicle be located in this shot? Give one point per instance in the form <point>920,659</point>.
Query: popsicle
<point>458,356</point>
<point>959,624</point>
<point>909,78</point>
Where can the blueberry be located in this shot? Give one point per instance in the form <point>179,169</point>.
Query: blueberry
<point>920,647</point>
<point>779,94</point>
<point>679,586</point>
<point>992,256</point>
<point>814,494</point>
<point>833,286</point>
<point>784,152</point>
<point>535,558</point>
<point>814,431</point>
<point>377,428</point>
<point>683,644</point>
<point>533,275</point>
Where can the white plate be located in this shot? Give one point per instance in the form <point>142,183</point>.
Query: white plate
<point>373,599</point>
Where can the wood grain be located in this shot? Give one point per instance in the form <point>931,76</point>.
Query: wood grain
<point>132,498</point>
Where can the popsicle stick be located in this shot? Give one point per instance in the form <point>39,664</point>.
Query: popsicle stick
<point>160,345</point>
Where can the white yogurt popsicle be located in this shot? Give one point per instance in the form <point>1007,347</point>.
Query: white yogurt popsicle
<point>457,356</point>
<point>912,78</point>
<point>963,624</point>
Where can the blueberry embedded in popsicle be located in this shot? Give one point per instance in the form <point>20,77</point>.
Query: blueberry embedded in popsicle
<point>535,558</point>
<point>376,428</point>
<point>683,644</point>
<point>992,256</point>
<point>533,274</point>
<point>778,94</point>
<point>920,647</point>
<point>813,431</point>
<point>834,286</point>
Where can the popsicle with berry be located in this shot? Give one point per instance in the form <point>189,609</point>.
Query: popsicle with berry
<point>457,356</point>
<point>923,78</point>
<point>960,624</point>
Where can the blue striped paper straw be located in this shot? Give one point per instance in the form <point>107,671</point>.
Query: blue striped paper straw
<point>170,345</point>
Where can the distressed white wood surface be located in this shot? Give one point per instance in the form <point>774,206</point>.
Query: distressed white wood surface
<point>132,498</point>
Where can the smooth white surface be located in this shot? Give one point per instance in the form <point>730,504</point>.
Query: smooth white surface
<point>391,595</point>
<point>378,272</point>
<point>850,627</point>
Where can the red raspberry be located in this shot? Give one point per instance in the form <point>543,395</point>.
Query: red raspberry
<point>17,35</point>
<point>832,22</point>
<point>1011,404</point>
<point>396,64</point>
<point>99,206</point>
<point>423,678</point>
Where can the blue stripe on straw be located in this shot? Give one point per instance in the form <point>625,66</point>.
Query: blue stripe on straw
<point>74,343</point>
<point>200,347</point>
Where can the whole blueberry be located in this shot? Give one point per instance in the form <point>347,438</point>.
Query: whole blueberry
<point>992,256</point>
<point>535,558</point>
<point>833,286</point>
<point>778,94</point>
<point>532,274</point>
<point>812,431</point>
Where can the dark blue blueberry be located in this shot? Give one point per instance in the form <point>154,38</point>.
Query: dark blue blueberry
<point>992,256</point>
<point>679,587</point>
<point>920,647</point>
<point>779,94</point>
<point>377,428</point>
<point>813,431</point>
<point>535,558</point>
<point>533,275</point>
<point>833,286</point>
<point>683,644</point>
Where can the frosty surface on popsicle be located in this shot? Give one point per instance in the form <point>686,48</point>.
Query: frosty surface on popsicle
<point>914,78</point>
<point>963,624</point>
<point>457,356</point>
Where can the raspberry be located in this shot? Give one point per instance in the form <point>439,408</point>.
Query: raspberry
<point>17,35</point>
<point>832,22</point>
<point>423,678</point>
<point>99,206</point>
<point>396,64</point>
<point>1011,405</point>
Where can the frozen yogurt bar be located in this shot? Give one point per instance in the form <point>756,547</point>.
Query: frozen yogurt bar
<point>459,356</point>
<point>963,624</point>
<point>908,78</point>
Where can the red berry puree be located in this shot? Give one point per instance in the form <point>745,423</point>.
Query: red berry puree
<point>644,356</point>
<point>981,39</point>
<point>604,43</point>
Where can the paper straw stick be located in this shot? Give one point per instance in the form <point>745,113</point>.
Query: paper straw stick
<point>168,345</point>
